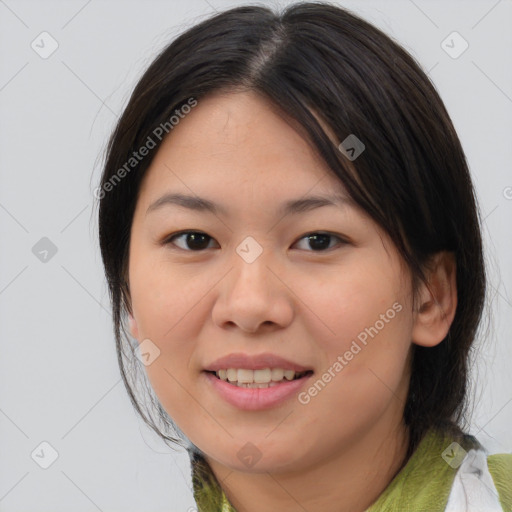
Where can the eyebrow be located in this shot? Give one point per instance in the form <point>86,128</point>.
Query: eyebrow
<point>292,206</point>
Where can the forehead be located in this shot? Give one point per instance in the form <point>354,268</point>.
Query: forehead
<point>239,141</point>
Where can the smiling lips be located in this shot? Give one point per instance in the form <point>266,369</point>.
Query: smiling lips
<point>256,382</point>
<point>258,371</point>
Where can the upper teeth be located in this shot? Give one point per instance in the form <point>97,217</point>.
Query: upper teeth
<point>258,376</point>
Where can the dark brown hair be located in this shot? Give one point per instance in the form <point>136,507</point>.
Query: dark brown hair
<point>412,178</point>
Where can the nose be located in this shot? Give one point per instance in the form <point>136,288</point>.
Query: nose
<point>254,296</point>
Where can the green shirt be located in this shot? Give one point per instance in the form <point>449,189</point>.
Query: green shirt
<point>422,485</point>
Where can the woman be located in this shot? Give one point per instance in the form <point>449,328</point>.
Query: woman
<point>290,235</point>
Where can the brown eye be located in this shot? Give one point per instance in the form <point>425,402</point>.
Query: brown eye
<point>320,242</point>
<point>190,240</point>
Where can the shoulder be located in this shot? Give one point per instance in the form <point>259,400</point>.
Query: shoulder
<point>500,468</point>
<point>482,482</point>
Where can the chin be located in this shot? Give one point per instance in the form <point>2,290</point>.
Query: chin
<point>250,459</point>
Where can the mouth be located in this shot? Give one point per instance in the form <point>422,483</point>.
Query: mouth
<point>258,379</point>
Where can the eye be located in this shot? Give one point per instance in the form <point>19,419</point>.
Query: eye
<point>321,241</point>
<point>196,241</point>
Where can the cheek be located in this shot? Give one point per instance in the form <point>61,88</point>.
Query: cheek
<point>366,338</point>
<point>164,295</point>
<point>169,312</point>
<point>362,299</point>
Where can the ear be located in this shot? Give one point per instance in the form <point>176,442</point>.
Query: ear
<point>437,301</point>
<point>133,326</point>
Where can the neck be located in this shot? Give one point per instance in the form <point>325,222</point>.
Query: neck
<point>349,481</point>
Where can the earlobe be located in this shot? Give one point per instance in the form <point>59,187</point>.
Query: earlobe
<point>437,301</point>
<point>133,326</point>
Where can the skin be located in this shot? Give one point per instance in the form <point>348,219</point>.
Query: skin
<point>340,450</point>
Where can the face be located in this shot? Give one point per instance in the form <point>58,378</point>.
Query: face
<point>318,288</point>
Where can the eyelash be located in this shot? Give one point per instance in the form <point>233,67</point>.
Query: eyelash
<point>169,240</point>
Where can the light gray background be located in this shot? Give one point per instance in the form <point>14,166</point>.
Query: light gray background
<point>59,377</point>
